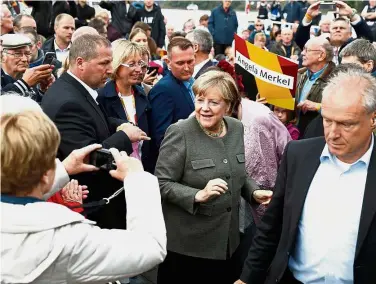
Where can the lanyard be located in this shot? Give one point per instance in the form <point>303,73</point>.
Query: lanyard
<point>124,107</point>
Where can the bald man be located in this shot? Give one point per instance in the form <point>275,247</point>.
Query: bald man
<point>60,44</point>
<point>317,61</point>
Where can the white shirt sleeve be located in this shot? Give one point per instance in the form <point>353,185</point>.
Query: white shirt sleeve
<point>109,255</point>
<point>61,179</point>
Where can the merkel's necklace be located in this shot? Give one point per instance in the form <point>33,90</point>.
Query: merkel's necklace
<point>211,134</point>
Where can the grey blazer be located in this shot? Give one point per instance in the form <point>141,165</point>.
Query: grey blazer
<point>188,159</point>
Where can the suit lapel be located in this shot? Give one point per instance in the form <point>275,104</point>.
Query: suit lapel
<point>305,175</point>
<point>88,97</point>
<point>117,106</point>
<point>203,68</point>
<point>369,203</point>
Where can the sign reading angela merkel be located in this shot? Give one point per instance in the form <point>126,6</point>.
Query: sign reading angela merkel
<point>272,76</point>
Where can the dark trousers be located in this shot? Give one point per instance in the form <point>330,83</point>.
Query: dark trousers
<point>220,48</point>
<point>182,269</point>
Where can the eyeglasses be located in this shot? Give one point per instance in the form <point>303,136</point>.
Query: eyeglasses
<point>310,50</point>
<point>140,64</point>
<point>18,54</point>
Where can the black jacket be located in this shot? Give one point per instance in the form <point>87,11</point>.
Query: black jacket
<point>275,238</point>
<point>108,98</point>
<point>81,122</point>
<point>60,7</point>
<point>42,13</point>
<point>9,84</point>
<point>155,20</point>
<point>122,20</point>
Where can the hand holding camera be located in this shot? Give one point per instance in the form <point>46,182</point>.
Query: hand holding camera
<point>124,165</point>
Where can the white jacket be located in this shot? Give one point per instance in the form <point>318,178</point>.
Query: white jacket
<point>44,242</point>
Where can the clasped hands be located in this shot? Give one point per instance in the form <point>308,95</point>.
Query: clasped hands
<point>218,186</point>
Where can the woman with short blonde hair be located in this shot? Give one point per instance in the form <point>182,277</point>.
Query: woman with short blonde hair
<point>28,151</point>
<point>201,173</point>
<point>44,242</point>
<point>123,97</point>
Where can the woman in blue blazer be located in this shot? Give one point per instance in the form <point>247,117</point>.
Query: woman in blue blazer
<point>122,98</point>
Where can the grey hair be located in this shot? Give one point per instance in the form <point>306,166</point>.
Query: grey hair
<point>329,51</point>
<point>202,38</point>
<point>85,46</point>
<point>361,49</point>
<point>17,20</point>
<point>364,82</point>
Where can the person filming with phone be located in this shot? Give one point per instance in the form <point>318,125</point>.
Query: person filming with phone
<point>16,75</point>
<point>45,242</point>
<point>340,28</point>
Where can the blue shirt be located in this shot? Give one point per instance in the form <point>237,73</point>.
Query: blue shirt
<point>312,78</point>
<point>328,228</point>
<point>188,84</point>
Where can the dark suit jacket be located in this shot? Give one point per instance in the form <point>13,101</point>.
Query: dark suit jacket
<point>208,64</point>
<point>170,101</point>
<point>81,122</point>
<point>315,128</point>
<point>275,239</point>
<point>108,98</point>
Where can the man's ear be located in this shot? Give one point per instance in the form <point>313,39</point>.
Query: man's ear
<point>168,62</point>
<point>80,62</point>
<point>373,124</point>
<point>368,66</point>
<point>39,44</point>
<point>195,48</point>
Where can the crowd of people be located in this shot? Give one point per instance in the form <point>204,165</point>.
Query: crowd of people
<point>207,183</point>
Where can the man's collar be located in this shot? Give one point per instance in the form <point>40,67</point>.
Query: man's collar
<point>198,67</point>
<point>56,47</point>
<point>325,155</point>
<point>314,75</point>
<point>91,91</point>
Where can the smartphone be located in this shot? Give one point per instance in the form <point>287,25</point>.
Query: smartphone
<point>49,58</point>
<point>152,68</point>
<point>327,6</point>
<point>103,159</point>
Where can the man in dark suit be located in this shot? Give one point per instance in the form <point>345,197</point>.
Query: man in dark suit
<point>172,97</point>
<point>202,44</point>
<point>71,104</point>
<point>320,226</point>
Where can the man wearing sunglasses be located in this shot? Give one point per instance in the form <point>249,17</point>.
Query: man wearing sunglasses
<point>15,72</point>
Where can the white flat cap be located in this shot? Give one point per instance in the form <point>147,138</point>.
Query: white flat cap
<point>13,41</point>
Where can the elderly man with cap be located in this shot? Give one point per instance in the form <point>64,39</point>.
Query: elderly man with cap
<point>15,74</point>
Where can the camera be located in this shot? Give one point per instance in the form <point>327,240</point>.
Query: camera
<point>103,159</point>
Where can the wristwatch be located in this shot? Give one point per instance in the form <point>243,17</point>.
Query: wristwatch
<point>354,12</point>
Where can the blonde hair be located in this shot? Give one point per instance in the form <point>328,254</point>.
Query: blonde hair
<point>220,80</point>
<point>260,36</point>
<point>121,50</point>
<point>29,142</point>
